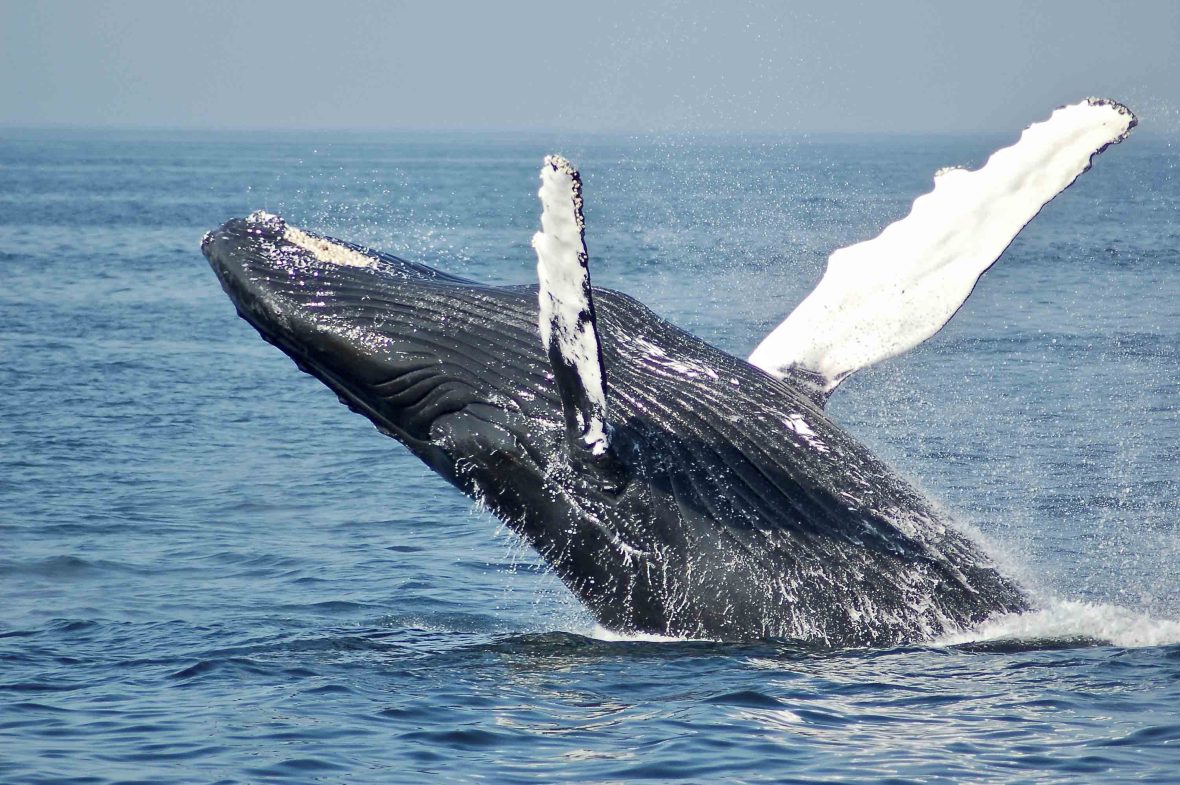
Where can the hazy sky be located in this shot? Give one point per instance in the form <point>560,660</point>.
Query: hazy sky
<point>595,66</point>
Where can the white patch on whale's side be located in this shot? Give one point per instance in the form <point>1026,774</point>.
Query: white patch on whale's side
<point>566,317</point>
<point>884,296</point>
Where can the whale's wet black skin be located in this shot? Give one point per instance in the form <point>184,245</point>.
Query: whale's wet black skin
<point>730,507</point>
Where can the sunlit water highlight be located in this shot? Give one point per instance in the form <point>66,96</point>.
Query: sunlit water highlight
<point>212,572</point>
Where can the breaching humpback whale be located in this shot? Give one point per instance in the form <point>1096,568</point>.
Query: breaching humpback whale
<point>674,488</point>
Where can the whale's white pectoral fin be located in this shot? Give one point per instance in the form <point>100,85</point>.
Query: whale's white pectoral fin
<point>568,329</point>
<point>884,296</point>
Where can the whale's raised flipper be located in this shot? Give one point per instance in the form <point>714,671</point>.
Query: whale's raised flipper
<point>884,296</point>
<point>569,330</point>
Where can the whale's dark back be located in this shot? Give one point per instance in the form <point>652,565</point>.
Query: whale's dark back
<point>748,513</point>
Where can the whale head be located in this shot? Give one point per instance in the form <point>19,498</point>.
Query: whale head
<point>395,340</point>
<point>456,372</point>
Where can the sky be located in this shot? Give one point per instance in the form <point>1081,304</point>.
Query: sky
<point>693,66</point>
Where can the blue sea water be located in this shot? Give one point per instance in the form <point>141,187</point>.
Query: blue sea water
<point>211,572</point>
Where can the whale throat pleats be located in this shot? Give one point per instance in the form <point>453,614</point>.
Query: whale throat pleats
<point>884,296</point>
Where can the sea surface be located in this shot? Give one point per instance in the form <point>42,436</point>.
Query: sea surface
<point>211,572</point>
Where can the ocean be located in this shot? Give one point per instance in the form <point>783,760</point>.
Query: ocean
<point>211,572</point>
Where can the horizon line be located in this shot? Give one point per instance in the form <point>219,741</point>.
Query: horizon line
<point>501,131</point>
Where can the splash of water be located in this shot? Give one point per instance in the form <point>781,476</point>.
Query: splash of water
<point>603,634</point>
<point>1071,619</point>
<point>1059,620</point>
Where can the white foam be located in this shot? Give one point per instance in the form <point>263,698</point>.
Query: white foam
<point>884,296</point>
<point>1066,619</point>
<point>603,634</point>
<point>1060,620</point>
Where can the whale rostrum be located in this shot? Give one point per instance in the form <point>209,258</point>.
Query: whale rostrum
<point>674,488</point>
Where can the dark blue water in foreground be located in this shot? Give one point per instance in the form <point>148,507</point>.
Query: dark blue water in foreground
<point>210,571</point>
